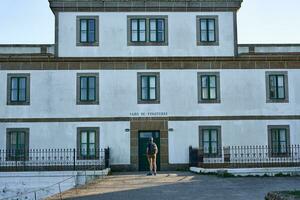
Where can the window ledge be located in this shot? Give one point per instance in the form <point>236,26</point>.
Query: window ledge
<point>147,44</point>
<point>215,101</point>
<point>148,102</point>
<point>208,43</point>
<point>88,103</point>
<point>87,44</point>
<point>277,101</point>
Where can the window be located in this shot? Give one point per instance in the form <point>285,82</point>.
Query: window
<point>87,31</point>
<point>207,30</point>
<point>147,30</point>
<point>279,143</point>
<point>138,30</point>
<point>148,88</point>
<point>209,87</point>
<point>277,87</point>
<point>88,88</point>
<point>18,88</point>
<point>88,143</point>
<point>17,143</point>
<point>157,30</point>
<point>210,140</point>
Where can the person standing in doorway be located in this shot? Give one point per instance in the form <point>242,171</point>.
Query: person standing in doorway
<point>152,151</point>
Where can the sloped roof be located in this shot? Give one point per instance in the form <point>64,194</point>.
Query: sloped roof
<point>144,5</point>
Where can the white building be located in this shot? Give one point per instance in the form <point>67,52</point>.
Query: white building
<point>120,71</point>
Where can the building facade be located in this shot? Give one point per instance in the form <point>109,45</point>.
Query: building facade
<point>122,71</point>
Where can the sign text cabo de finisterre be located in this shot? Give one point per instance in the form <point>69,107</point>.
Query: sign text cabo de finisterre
<point>148,114</point>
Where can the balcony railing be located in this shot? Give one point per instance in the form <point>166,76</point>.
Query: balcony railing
<point>54,159</point>
<point>246,157</point>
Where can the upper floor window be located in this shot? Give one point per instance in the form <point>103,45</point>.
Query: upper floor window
<point>209,87</point>
<point>157,30</point>
<point>279,140</point>
<point>87,30</point>
<point>147,30</point>
<point>88,143</point>
<point>87,88</point>
<point>17,143</point>
<point>148,88</point>
<point>18,89</point>
<point>277,87</point>
<point>138,30</point>
<point>210,140</point>
<point>207,30</point>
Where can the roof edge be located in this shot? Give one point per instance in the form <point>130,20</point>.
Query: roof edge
<point>139,5</point>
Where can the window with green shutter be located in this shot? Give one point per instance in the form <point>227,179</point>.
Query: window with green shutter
<point>17,144</point>
<point>87,88</point>
<point>148,87</point>
<point>277,87</point>
<point>209,87</point>
<point>150,30</point>
<point>87,31</point>
<point>210,140</point>
<point>279,140</point>
<point>18,89</point>
<point>207,30</point>
<point>88,143</point>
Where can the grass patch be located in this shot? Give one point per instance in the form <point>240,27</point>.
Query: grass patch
<point>282,175</point>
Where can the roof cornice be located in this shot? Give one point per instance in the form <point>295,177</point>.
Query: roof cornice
<point>143,6</point>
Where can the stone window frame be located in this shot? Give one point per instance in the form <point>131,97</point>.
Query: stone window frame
<point>147,18</point>
<point>198,32</point>
<point>8,147</point>
<point>287,127</point>
<point>218,84</point>
<point>139,88</point>
<point>87,44</point>
<point>18,75</point>
<point>97,89</point>
<point>219,140</point>
<point>97,142</point>
<point>286,87</point>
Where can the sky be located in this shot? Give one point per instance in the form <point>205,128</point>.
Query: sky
<point>259,21</point>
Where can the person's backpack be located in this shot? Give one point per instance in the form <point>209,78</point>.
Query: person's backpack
<point>152,148</point>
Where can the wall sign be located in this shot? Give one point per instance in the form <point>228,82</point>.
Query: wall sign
<point>148,114</point>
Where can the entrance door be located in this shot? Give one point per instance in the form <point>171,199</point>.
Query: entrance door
<point>143,141</point>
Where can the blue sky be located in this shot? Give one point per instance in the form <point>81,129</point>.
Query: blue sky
<point>259,21</point>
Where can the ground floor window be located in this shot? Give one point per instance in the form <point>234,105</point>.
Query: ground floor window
<point>88,143</point>
<point>17,143</point>
<point>210,140</point>
<point>279,140</point>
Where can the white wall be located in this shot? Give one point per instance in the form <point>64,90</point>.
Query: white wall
<point>63,135</point>
<point>233,133</point>
<point>113,36</point>
<point>243,92</point>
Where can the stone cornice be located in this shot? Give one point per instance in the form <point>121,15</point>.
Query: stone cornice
<point>180,63</point>
<point>51,58</point>
<point>139,5</point>
<point>169,118</point>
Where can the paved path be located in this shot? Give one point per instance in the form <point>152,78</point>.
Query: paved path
<point>181,186</point>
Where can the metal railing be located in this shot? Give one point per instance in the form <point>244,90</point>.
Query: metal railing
<point>54,159</point>
<point>246,157</point>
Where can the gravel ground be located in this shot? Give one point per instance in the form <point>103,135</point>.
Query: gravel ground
<point>181,186</point>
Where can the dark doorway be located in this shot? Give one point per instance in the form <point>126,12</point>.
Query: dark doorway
<point>143,141</point>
